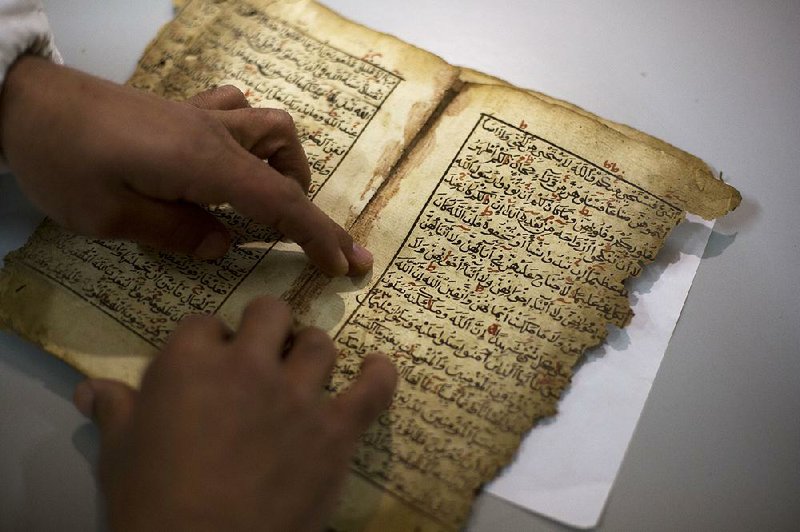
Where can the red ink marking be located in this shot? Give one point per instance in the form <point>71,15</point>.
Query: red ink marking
<point>369,56</point>
<point>612,166</point>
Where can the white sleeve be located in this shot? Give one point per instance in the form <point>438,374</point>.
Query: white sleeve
<point>24,29</point>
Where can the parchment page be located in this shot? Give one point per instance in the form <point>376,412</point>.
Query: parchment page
<point>694,168</point>
<point>502,244</point>
<point>357,97</point>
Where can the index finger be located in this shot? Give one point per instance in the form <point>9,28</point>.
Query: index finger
<point>368,396</point>
<point>260,192</point>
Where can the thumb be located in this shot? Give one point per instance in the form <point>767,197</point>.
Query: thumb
<point>109,404</point>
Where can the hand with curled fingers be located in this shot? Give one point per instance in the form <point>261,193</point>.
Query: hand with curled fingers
<point>232,430</point>
<point>110,161</point>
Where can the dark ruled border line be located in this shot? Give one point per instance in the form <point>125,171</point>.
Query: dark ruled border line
<point>380,279</point>
<point>483,117</point>
<point>411,230</point>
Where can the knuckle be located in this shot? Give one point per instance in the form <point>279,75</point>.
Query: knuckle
<point>298,402</point>
<point>195,123</point>
<point>209,131</point>
<point>202,139</point>
<point>251,365</point>
<point>231,93</point>
<point>290,196</point>
<point>281,121</point>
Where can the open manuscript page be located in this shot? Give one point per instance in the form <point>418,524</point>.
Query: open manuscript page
<point>501,248</point>
<point>694,168</point>
<point>502,240</point>
<point>358,98</point>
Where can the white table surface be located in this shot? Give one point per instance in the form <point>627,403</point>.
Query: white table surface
<point>718,444</point>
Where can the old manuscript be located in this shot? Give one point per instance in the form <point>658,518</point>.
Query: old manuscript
<point>503,223</point>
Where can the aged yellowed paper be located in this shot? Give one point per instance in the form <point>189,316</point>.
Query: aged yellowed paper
<point>358,98</point>
<point>502,244</point>
<point>694,169</point>
<point>503,223</point>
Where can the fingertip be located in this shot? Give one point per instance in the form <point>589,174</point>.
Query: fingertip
<point>383,371</point>
<point>213,246</point>
<point>369,395</point>
<point>359,260</point>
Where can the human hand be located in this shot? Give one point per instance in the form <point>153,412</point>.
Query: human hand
<point>232,431</point>
<point>113,162</point>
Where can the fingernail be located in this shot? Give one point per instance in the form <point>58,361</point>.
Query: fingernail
<point>84,398</point>
<point>362,256</point>
<point>214,245</point>
<point>342,265</point>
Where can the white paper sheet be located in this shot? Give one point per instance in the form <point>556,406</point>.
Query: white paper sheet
<point>567,465</point>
